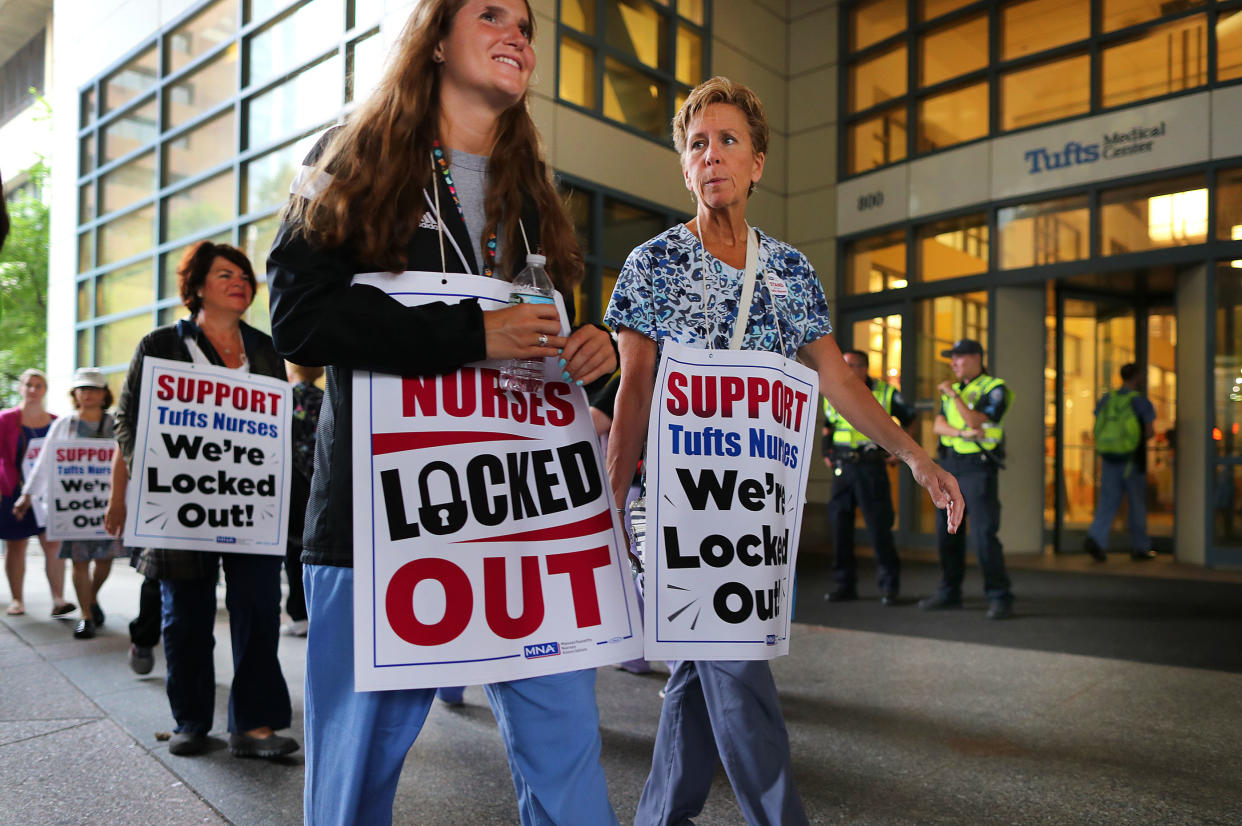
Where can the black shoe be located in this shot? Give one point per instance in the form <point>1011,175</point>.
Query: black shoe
<point>841,595</point>
<point>1092,547</point>
<point>1142,556</point>
<point>84,630</point>
<point>63,609</point>
<point>273,745</point>
<point>1000,609</point>
<point>939,602</point>
<point>890,599</point>
<point>141,660</point>
<point>184,744</point>
<point>97,615</point>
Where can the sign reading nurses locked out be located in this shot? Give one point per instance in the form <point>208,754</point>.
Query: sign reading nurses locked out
<point>727,449</point>
<point>211,460</point>
<point>486,541</point>
<point>78,488</point>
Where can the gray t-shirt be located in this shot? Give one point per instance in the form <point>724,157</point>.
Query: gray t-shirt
<point>470,178</point>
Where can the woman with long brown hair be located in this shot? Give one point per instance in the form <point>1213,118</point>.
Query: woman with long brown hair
<point>439,170</point>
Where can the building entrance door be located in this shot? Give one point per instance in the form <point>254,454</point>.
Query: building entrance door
<point>1096,332</point>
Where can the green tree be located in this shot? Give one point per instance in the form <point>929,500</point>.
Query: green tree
<point>23,286</point>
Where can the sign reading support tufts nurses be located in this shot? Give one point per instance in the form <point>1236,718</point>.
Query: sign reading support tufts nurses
<point>211,460</point>
<point>78,488</point>
<point>727,452</point>
<point>486,541</point>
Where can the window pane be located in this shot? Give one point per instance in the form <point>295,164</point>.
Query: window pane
<point>135,128</point>
<point>953,248</point>
<point>1226,427</point>
<point>1229,205</point>
<point>199,149</point>
<point>295,39</point>
<point>876,264</point>
<point>690,9</point>
<point>127,183</point>
<point>84,299</point>
<point>953,50</point>
<point>127,236</point>
<point>115,342</point>
<point>266,180</point>
<point>577,73</point>
<point>170,260</point>
<point>931,9</point>
<point>953,117</point>
<point>173,314</point>
<point>86,251</point>
<point>578,205</point>
<point>635,98</point>
<point>1034,25</point>
<point>1229,46</point>
<point>307,100</point>
<point>872,22</point>
<point>201,33</point>
<point>579,14</point>
<point>130,81</point>
<point>1166,59</point>
<point>1045,233</point>
<point>88,106</point>
<point>607,283</point>
<point>257,240</point>
<point>86,203</point>
<point>366,66</point>
<point>1117,14</point>
<point>877,141</point>
<point>625,227</point>
<point>367,12</point>
<point>689,56</point>
<point>124,289</point>
<point>198,207</point>
<point>1045,92</point>
<point>636,29</point>
<point>86,163</point>
<point>206,87</point>
<point>1151,216</point>
<point>879,79</point>
<point>84,347</point>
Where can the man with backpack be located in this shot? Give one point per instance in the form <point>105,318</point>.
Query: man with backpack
<point>1123,424</point>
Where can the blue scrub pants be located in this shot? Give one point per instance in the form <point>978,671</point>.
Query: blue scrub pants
<point>356,742</point>
<point>730,708</point>
<point>1118,480</point>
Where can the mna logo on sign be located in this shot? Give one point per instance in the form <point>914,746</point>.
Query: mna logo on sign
<point>771,640</point>
<point>542,649</point>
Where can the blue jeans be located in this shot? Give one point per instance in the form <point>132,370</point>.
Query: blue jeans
<point>259,695</point>
<point>1117,480</point>
<point>356,742</point>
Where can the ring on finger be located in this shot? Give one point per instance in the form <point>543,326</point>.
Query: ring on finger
<point>543,340</point>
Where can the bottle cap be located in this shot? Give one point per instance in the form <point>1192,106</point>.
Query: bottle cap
<point>537,260</point>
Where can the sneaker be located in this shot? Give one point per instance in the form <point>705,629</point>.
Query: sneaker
<point>841,595</point>
<point>273,745</point>
<point>141,659</point>
<point>97,614</point>
<point>1142,556</point>
<point>84,630</point>
<point>1092,547</point>
<point>63,609</point>
<point>939,602</point>
<point>295,628</point>
<point>1000,609</point>
<point>185,744</point>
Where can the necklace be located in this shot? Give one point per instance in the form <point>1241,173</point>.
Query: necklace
<point>489,258</point>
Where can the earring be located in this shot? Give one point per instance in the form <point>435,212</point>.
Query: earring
<point>437,57</point>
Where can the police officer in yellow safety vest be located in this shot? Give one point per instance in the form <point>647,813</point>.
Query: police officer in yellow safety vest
<point>1123,424</point>
<point>972,445</point>
<point>860,480</point>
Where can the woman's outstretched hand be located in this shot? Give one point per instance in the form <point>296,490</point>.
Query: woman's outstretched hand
<point>514,332</point>
<point>588,355</point>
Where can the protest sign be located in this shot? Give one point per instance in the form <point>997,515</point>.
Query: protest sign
<point>211,460</point>
<point>37,502</point>
<point>78,488</point>
<point>485,538</point>
<point>727,453</point>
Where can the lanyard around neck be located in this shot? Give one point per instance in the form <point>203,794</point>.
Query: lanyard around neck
<point>749,276</point>
<point>434,206</point>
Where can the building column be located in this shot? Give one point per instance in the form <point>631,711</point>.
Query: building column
<point>1191,468</point>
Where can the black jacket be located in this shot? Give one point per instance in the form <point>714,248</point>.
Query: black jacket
<point>167,343</point>
<point>319,319</point>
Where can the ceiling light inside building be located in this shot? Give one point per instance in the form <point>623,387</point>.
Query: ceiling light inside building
<point>1178,217</point>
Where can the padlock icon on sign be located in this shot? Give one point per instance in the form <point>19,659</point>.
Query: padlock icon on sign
<point>445,517</point>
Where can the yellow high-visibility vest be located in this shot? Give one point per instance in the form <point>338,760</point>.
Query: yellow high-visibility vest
<point>844,433</point>
<point>971,393</point>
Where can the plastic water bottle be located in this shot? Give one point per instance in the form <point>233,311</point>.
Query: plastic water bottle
<point>530,286</point>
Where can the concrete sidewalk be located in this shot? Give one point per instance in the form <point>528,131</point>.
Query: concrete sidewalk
<point>886,729</point>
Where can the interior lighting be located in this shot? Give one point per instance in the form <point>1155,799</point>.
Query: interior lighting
<point>1178,217</point>
<point>1235,232</point>
<point>898,283</point>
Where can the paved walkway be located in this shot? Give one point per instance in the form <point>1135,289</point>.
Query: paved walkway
<point>887,728</point>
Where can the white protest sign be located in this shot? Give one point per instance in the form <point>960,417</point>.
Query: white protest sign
<point>78,488</point>
<point>486,544</point>
<point>37,503</point>
<point>211,460</point>
<point>727,453</point>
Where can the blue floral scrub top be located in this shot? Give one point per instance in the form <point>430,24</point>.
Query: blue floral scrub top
<point>661,294</point>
